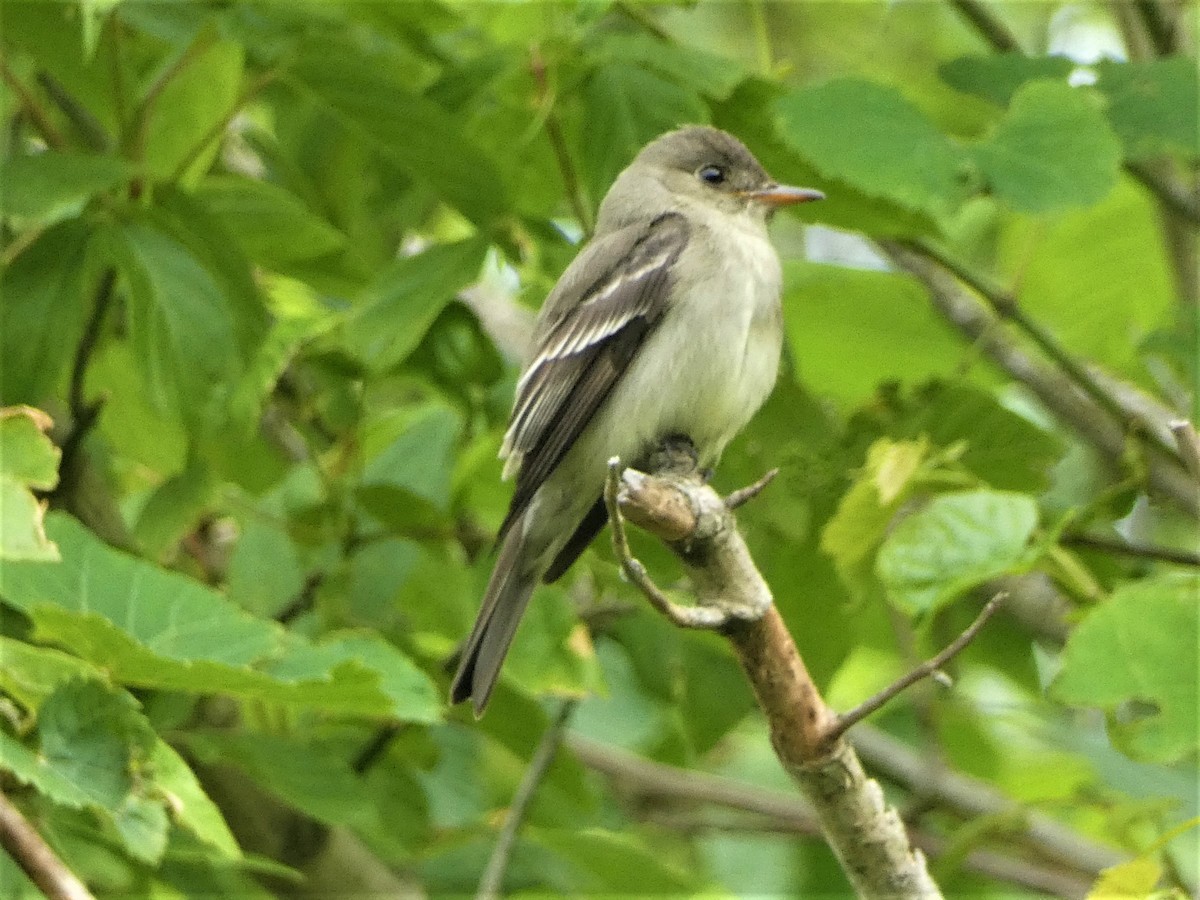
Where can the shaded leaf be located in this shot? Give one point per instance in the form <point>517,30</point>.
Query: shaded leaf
<point>955,542</point>
<point>625,107</point>
<point>998,77</point>
<point>1135,655</point>
<point>393,314</point>
<point>1054,149</point>
<point>47,187</point>
<point>28,461</point>
<point>1153,105</point>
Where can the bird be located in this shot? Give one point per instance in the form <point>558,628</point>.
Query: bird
<point>668,323</point>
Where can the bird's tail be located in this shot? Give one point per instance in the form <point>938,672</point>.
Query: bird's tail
<point>513,580</point>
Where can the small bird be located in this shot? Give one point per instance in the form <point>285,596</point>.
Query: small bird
<point>667,323</point>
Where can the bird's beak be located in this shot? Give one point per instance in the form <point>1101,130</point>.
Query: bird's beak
<point>783,195</point>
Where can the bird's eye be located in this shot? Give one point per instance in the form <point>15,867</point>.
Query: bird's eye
<point>712,175</point>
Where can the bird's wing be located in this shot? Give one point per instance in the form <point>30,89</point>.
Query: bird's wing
<point>607,301</point>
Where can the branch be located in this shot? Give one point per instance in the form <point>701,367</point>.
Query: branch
<point>1174,195</point>
<point>988,24</point>
<point>558,143</point>
<point>927,668</point>
<point>1161,31</point>
<point>1057,392</point>
<point>1189,445</point>
<point>866,835</point>
<point>50,133</point>
<point>539,765</point>
<point>742,496</point>
<point>29,851</point>
<point>1125,548</point>
<point>644,778</point>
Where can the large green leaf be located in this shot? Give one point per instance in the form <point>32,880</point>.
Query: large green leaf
<point>881,318</point>
<point>416,134</point>
<point>1093,275</point>
<point>1153,105</point>
<point>1135,655</point>
<point>396,310</point>
<point>179,321</point>
<point>871,137</point>
<point>272,224</point>
<point>625,107</point>
<point>50,186</point>
<point>28,461</point>
<point>955,542</point>
<point>154,628</point>
<point>42,313</point>
<point>194,100</point>
<point>1054,149</point>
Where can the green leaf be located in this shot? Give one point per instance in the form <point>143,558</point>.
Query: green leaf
<point>712,75</point>
<point>1052,150</point>
<point>1152,105</point>
<point>957,541</point>
<point>1004,449</point>
<point>272,224</point>
<point>179,321</point>
<point>420,137</point>
<point>862,517</point>
<point>28,461</point>
<point>1091,276</point>
<point>393,314</point>
<point>154,628</point>
<point>884,317</point>
<point>624,108</point>
<point>43,312</point>
<point>1133,656</point>
<point>92,737</point>
<point>30,674</point>
<point>189,805</point>
<point>194,100</point>
<point>407,483</point>
<point>607,862</point>
<point>1135,878</point>
<point>871,137</point>
<point>998,77</point>
<point>48,187</point>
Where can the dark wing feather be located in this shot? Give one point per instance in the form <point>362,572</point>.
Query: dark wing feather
<point>584,346</point>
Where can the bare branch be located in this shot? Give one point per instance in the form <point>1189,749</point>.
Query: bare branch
<point>49,132</point>
<point>493,876</point>
<point>929,667</point>
<point>29,851</point>
<point>742,496</point>
<point>1057,392</point>
<point>988,24</point>
<point>1189,445</point>
<point>558,143</point>
<point>1126,548</point>
<point>1173,194</point>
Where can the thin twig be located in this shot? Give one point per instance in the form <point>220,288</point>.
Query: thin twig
<point>1006,306</point>
<point>84,414</point>
<point>742,496</point>
<point>41,120</point>
<point>539,765</point>
<point>29,851</point>
<point>704,617</point>
<point>1173,194</point>
<point>633,9</point>
<point>1125,548</point>
<point>1159,29</point>
<point>1189,445</point>
<point>988,24</point>
<point>86,125</point>
<point>558,142</point>
<point>374,749</point>
<point>927,668</point>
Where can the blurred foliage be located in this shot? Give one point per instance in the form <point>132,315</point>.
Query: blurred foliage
<point>268,269</point>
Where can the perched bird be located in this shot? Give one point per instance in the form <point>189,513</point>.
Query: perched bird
<point>668,323</point>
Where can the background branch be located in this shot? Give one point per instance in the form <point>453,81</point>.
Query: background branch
<point>1056,391</point>
<point>29,851</point>
<point>493,876</point>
